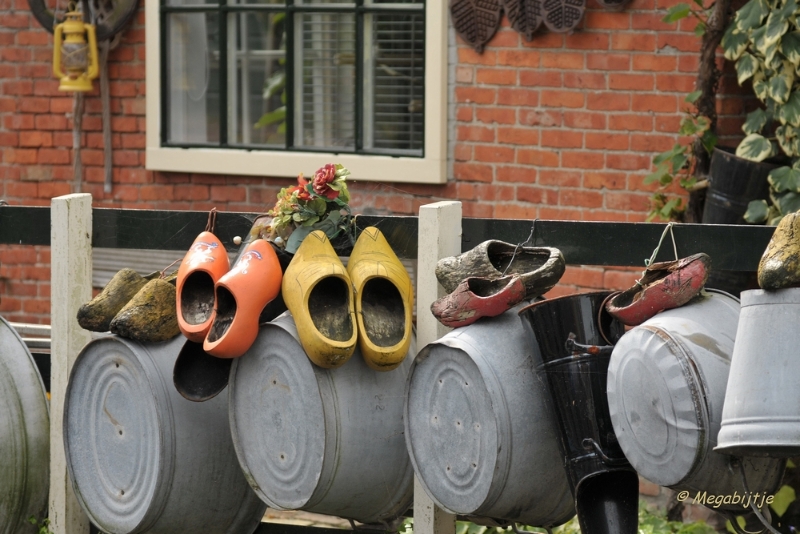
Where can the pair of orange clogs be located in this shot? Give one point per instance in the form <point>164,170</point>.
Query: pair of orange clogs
<point>219,306</point>
<point>334,307</point>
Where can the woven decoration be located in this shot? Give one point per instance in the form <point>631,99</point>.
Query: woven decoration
<point>614,5</point>
<point>525,16</point>
<point>563,15</point>
<point>476,21</point>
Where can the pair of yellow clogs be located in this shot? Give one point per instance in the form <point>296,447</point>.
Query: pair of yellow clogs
<point>334,307</point>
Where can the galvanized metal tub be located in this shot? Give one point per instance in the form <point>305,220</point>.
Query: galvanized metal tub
<point>666,385</point>
<point>481,437</point>
<point>328,441</point>
<point>760,416</point>
<point>144,459</point>
<point>24,436</point>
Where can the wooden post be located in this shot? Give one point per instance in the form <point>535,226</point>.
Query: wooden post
<point>439,237</point>
<point>71,286</point>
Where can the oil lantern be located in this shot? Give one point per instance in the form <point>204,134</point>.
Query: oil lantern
<point>75,60</point>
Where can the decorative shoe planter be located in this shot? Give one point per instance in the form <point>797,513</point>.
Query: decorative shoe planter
<point>328,441</point>
<point>571,333</point>
<point>760,416</point>
<point>24,436</point>
<point>144,459</point>
<point>666,385</point>
<point>481,437</point>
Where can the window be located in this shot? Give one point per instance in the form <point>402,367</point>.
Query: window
<point>277,87</point>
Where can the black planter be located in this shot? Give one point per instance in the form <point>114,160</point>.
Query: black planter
<point>575,356</point>
<point>733,183</point>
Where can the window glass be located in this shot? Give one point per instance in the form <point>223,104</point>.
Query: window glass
<point>394,82</point>
<point>192,84</point>
<point>257,92</point>
<point>325,61</point>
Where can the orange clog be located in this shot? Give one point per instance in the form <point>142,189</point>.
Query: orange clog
<point>318,292</point>
<point>383,300</point>
<point>204,264</point>
<point>241,295</point>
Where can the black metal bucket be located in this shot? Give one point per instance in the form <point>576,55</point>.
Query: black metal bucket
<point>575,337</point>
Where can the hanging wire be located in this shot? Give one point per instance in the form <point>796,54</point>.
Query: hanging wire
<point>759,515</point>
<point>529,240</point>
<point>649,262</point>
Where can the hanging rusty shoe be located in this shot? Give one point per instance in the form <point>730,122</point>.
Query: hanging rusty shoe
<point>539,268</point>
<point>663,286</point>
<point>563,15</point>
<point>384,297</point>
<point>779,267</point>
<point>478,297</point>
<point>203,265</point>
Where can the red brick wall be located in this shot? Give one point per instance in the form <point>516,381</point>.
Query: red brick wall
<point>564,127</point>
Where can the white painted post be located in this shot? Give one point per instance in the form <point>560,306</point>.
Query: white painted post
<point>439,237</point>
<point>70,287</point>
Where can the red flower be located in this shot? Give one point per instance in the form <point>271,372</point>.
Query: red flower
<point>322,178</point>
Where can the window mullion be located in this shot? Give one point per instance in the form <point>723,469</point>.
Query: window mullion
<point>223,72</point>
<point>359,92</point>
<point>290,74</point>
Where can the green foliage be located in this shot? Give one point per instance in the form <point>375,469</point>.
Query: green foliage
<point>764,41</point>
<point>678,163</point>
<point>43,526</point>
<point>650,522</point>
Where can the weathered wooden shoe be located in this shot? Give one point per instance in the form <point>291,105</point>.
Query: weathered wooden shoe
<point>478,297</point>
<point>204,264</point>
<point>780,265</point>
<point>318,292</point>
<point>97,314</point>
<point>150,316</point>
<point>664,286</point>
<point>241,295</point>
<point>539,268</point>
<point>383,301</point>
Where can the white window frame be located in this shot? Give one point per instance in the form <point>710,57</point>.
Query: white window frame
<point>429,169</point>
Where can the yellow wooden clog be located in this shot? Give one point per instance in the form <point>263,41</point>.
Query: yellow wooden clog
<point>317,291</point>
<point>384,296</point>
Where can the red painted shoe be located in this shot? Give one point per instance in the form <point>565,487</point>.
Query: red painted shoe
<point>202,266</point>
<point>241,295</point>
<point>664,286</point>
<point>478,297</point>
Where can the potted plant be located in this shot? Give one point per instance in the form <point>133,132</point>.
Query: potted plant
<point>764,41</point>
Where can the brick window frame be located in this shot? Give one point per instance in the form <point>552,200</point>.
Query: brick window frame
<point>431,168</point>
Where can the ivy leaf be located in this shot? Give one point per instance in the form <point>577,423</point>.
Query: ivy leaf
<point>776,27</point>
<point>785,134</point>
<point>709,140</point>
<point>784,179</point>
<point>700,29</point>
<point>790,47</point>
<point>780,86</point>
<point>788,10</point>
<point>688,182</point>
<point>734,43</point>
<point>754,147</point>
<point>658,175</point>
<point>756,211</point>
<point>789,113</point>
<point>689,126</point>
<point>760,86</point>
<point>692,97</point>
<point>671,208</point>
<point>788,202</point>
<point>677,12</point>
<point>745,67</point>
<point>756,120</point>
<point>751,15</point>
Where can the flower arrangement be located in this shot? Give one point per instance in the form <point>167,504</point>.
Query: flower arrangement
<point>318,204</point>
